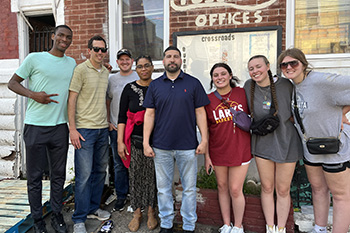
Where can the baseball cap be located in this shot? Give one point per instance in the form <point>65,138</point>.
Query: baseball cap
<point>122,52</point>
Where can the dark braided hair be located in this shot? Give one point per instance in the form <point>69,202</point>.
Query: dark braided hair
<point>272,86</point>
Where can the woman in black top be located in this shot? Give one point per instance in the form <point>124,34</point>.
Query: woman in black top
<point>130,130</point>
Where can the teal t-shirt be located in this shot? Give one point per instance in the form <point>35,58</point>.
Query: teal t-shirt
<point>51,74</point>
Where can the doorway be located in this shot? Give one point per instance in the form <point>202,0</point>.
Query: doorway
<point>40,38</point>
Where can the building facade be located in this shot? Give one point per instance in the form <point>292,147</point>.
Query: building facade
<point>206,31</point>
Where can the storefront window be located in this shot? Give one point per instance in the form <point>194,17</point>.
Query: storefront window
<point>143,27</point>
<point>322,26</point>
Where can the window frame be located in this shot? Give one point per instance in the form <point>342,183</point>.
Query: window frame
<point>116,34</point>
<point>319,61</point>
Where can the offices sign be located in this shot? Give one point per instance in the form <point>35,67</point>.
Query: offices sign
<point>246,13</point>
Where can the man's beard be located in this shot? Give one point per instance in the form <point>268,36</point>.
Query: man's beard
<point>172,69</point>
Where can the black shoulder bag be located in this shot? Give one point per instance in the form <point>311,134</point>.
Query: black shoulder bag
<point>326,145</point>
<point>268,123</point>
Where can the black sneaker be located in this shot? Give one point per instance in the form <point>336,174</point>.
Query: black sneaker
<point>166,230</point>
<point>119,205</point>
<point>40,227</point>
<point>58,223</point>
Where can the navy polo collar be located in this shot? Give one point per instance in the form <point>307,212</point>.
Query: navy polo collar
<point>181,75</point>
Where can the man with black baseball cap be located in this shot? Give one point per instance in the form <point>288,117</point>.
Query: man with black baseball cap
<point>123,52</point>
<point>116,84</point>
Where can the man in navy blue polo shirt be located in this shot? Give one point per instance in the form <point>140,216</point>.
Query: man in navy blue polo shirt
<point>174,106</point>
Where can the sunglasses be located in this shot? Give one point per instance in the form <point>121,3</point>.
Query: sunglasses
<point>146,66</point>
<point>293,64</point>
<point>96,49</point>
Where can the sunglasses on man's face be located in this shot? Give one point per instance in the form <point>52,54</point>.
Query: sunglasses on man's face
<point>96,49</point>
<point>293,64</point>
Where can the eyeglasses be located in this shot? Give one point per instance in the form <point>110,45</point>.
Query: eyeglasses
<point>146,66</point>
<point>97,49</point>
<point>293,64</point>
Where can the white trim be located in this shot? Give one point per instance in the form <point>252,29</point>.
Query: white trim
<point>330,61</point>
<point>112,16</point>
<point>290,23</point>
<point>332,56</point>
<point>116,31</point>
<point>119,23</point>
<point>166,24</point>
<point>60,19</point>
<point>32,7</point>
<point>339,62</point>
<point>23,50</point>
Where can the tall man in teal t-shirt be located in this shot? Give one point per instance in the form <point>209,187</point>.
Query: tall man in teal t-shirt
<point>45,130</point>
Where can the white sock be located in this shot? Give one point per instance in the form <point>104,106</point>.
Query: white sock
<point>320,229</point>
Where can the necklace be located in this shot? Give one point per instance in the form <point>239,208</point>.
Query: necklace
<point>229,95</point>
<point>264,92</point>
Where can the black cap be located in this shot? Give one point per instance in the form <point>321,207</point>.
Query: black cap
<point>122,52</point>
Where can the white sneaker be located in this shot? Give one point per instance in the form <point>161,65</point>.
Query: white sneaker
<point>271,229</point>
<point>79,228</point>
<point>100,215</point>
<point>237,230</point>
<point>225,229</point>
<point>283,230</point>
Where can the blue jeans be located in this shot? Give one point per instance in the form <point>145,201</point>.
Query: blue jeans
<point>121,177</point>
<point>186,161</point>
<point>90,172</point>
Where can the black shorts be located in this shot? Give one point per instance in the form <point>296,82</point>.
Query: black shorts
<point>333,168</point>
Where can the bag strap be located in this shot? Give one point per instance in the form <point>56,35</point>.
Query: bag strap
<point>297,115</point>
<point>216,93</point>
<point>296,112</point>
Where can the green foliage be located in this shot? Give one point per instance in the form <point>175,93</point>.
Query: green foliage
<point>205,181</point>
<point>250,187</point>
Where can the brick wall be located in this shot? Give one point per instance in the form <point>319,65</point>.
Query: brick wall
<point>208,211</point>
<point>8,32</point>
<point>273,15</point>
<point>86,18</point>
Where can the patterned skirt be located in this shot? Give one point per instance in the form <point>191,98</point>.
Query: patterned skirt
<point>142,179</point>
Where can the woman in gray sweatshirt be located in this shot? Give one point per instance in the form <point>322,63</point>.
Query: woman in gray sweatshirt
<point>322,99</point>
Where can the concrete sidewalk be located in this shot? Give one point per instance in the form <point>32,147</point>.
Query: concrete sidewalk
<point>120,220</point>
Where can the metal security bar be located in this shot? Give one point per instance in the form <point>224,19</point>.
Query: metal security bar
<point>41,40</point>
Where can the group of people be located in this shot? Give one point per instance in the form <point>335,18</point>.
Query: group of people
<point>59,92</point>
<point>313,105</point>
<point>151,125</point>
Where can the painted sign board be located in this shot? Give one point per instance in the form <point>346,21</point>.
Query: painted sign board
<point>202,49</point>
